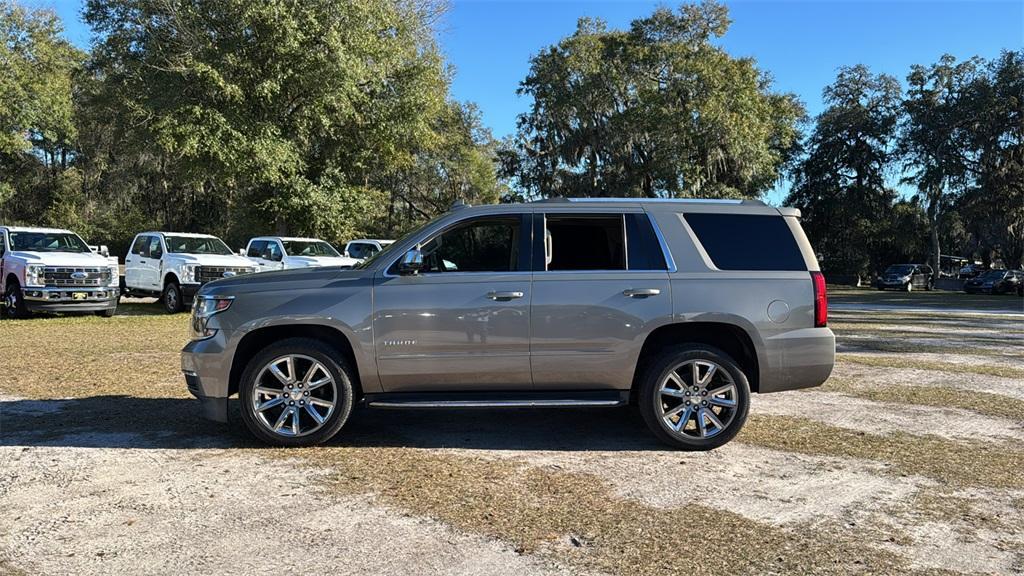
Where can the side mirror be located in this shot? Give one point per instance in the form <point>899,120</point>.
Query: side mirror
<point>104,251</point>
<point>411,263</point>
<point>241,252</point>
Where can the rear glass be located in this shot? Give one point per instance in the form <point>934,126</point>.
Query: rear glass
<point>746,241</point>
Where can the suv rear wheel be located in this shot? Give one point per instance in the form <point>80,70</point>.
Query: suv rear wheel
<point>296,393</point>
<point>694,397</point>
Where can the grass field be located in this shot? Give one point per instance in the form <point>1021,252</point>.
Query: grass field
<point>908,460</point>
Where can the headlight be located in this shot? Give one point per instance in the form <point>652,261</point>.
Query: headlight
<point>35,275</point>
<point>188,273</point>
<point>906,278</point>
<point>115,276</point>
<point>204,308</point>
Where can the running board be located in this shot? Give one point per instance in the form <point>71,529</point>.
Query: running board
<point>413,400</point>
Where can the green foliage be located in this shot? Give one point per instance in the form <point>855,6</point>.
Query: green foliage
<point>656,110</point>
<point>840,184</point>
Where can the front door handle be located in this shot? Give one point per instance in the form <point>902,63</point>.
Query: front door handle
<point>504,296</point>
<point>641,292</point>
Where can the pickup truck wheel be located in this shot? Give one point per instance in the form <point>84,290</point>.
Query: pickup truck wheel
<point>909,286</point>
<point>172,298</point>
<point>14,302</point>
<point>296,393</point>
<point>694,397</point>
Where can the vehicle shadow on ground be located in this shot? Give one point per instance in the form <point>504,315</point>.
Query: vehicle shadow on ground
<point>175,423</point>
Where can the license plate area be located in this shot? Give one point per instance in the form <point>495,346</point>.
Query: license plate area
<point>79,295</point>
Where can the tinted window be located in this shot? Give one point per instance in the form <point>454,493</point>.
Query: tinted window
<point>3,245</point>
<point>305,248</point>
<point>586,242</point>
<point>256,248</point>
<point>196,245</point>
<point>642,246</point>
<point>747,242</point>
<point>361,250</point>
<point>485,245</point>
<point>155,249</point>
<point>141,246</point>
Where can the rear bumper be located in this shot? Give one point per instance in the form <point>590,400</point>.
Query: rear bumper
<point>90,299</point>
<point>798,359</point>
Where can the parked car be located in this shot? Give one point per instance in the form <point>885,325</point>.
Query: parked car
<point>281,253</point>
<point>906,277</point>
<point>54,270</point>
<point>365,248</point>
<point>971,271</point>
<point>173,265</point>
<point>681,307</point>
<point>995,282</point>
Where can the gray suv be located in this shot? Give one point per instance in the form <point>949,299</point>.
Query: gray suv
<point>680,307</point>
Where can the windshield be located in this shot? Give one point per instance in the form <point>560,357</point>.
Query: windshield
<point>193,245</point>
<point>993,275</point>
<point>900,269</point>
<point>309,248</point>
<point>47,242</point>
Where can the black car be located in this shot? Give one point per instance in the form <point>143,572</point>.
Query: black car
<point>995,282</point>
<point>906,277</point>
<point>971,271</point>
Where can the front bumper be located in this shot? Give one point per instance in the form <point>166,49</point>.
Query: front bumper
<point>207,370</point>
<point>894,284</point>
<point>977,289</point>
<point>91,299</point>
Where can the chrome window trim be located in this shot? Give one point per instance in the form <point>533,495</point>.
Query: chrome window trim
<point>670,262</point>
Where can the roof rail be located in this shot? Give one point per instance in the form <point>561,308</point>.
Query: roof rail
<point>747,202</point>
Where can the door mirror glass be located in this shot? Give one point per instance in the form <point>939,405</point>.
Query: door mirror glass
<point>411,263</point>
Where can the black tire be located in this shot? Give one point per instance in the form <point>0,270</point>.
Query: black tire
<point>13,305</point>
<point>649,398</point>
<point>107,313</point>
<point>909,287</point>
<point>322,353</point>
<point>930,285</point>
<point>171,298</point>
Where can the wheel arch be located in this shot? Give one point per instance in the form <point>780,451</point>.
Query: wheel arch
<point>254,341</point>
<point>169,277</point>
<point>731,338</point>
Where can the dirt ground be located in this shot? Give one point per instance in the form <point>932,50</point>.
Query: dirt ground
<point>908,460</point>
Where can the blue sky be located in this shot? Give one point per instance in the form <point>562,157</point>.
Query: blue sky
<point>800,43</point>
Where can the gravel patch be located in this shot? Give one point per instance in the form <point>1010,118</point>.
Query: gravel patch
<point>883,417</point>
<point>1010,387</point>
<point>88,511</point>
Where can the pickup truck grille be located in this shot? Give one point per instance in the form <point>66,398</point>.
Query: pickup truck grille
<point>206,274</point>
<point>59,277</point>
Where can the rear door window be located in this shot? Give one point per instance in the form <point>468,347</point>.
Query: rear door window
<point>585,242</point>
<point>746,241</point>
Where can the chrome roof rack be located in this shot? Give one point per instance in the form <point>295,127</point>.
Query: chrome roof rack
<point>733,201</point>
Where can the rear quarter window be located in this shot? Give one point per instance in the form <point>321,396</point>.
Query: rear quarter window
<point>747,241</point>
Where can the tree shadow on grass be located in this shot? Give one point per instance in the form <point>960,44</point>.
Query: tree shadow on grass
<point>175,423</point>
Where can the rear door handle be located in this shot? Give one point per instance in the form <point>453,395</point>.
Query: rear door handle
<point>641,292</point>
<point>504,295</point>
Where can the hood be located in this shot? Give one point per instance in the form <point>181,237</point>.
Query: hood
<point>69,259</point>
<point>322,261</point>
<point>212,259</point>
<point>294,279</point>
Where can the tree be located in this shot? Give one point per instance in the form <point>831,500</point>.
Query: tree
<point>656,110</point>
<point>37,130</point>
<point>276,113</point>
<point>840,184</point>
<point>934,139</point>
<point>993,205</point>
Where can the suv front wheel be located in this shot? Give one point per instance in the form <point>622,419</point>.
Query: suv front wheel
<point>694,397</point>
<point>296,393</point>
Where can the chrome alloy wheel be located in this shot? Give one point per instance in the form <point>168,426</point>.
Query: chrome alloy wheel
<point>697,399</point>
<point>294,395</point>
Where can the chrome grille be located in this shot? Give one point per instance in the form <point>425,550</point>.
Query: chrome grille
<point>206,274</point>
<point>60,277</point>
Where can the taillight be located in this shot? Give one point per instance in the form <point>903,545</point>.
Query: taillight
<point>820,300</point>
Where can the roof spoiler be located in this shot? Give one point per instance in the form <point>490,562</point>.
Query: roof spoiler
<point>790,212</point>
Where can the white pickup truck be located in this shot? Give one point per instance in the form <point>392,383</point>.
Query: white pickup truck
<point>173,265</point>
<point>365,247</point>
<point>53,270</point>
<point>283,253</point>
